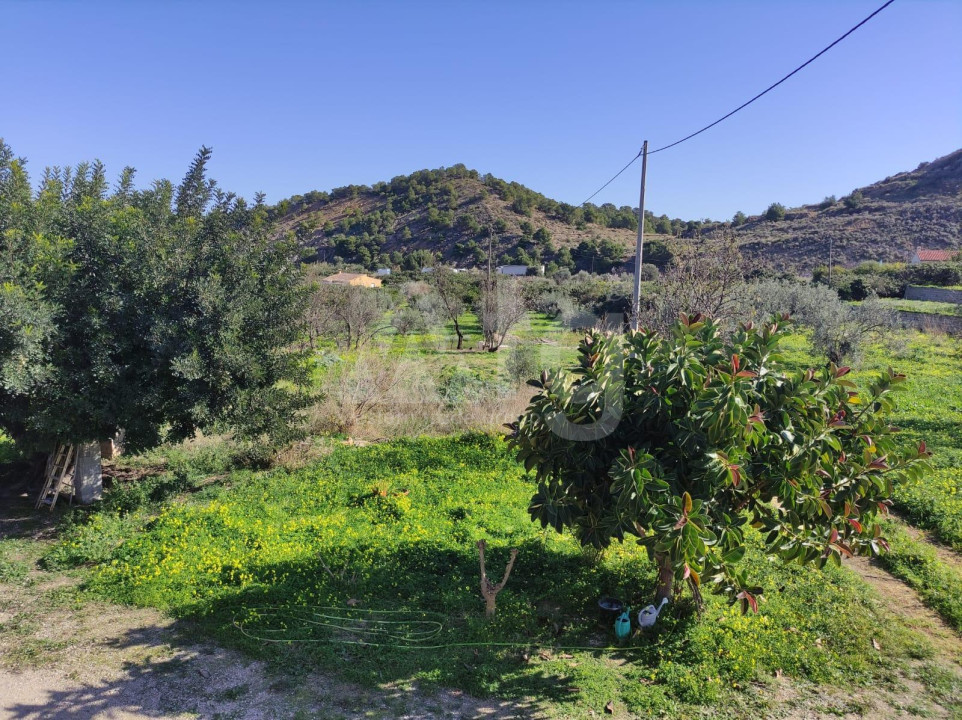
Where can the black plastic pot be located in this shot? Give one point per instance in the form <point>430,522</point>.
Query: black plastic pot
<point>609,608</point>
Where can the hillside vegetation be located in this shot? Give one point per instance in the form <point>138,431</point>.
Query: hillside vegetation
<point>882,222</point>
<point>450,214</point>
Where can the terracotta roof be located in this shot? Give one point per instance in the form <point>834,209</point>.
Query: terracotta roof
<point>935,255</point>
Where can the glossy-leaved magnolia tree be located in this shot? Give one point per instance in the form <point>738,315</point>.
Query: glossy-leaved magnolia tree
<point>685,440</point>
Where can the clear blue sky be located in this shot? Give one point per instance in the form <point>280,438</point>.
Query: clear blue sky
<point>556,95</point>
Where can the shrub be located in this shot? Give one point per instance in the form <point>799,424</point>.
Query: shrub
<point>839,330</point>
<point>775,212</point>
<point>459,385</point>
<point>522,363</point>
<point>681,440</point>
<point>854,201</point>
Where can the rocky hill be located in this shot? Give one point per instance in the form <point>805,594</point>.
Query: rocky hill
<point>884,221</point>
<point>454,213</point>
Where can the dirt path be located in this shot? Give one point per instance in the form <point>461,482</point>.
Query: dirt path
<point>900,600</point>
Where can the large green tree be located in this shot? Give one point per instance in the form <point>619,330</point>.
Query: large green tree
<point>157,312</point>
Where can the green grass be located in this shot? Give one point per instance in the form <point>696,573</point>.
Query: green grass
<point>394,527</point>
<point>922,306</point>
<point>436,350</point>
<point>929,409</point>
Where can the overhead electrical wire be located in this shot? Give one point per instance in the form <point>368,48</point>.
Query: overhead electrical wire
<point>745,104</point>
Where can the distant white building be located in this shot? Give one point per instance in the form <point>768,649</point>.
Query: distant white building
<point>517,270</point>
<point>383,271</point>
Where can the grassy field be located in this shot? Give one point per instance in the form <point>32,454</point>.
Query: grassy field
<point>364,564</point>
<point>315,561</point>
<point>921,306</point>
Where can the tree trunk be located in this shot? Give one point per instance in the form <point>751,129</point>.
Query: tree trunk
<point>457,329</point>
<point>666,578</point>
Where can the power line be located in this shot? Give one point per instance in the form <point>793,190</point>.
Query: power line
<point>775,85</point>
<point>617,174</point>
<point>749,102</point>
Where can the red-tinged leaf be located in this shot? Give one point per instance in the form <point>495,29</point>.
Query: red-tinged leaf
<point>848,509</point>
<point>683,317</point>
<point>747,597</point>
<point>844,370</point>
<point>631,454</point>
<point>826,508</point>
<point>735,363</point>
<point>685,575</point>
<point>746,374</point>
<point>834,536</point>
<point>855,524</point>
<point>883,508</point>
<point>681,523</point>
<point>868,441</point>
<point>842,458</point>
<point>884,544</point>
<point>809,374</point>
<point>846,550</point>
<point>736,475</point>
<point>879,464</point>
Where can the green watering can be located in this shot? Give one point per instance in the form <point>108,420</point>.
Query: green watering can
<point>623,625</point>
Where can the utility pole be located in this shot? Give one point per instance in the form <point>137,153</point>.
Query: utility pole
<point>636,298</point>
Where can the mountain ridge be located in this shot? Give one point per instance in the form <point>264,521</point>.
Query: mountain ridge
<point>454,212</point>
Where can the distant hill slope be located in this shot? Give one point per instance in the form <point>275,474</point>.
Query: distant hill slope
<point>452,213</point>
<point>884,221</point>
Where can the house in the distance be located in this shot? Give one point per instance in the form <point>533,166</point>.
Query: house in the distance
<point>922,256</point>
<point>356,279</point>
<point>520,270</point>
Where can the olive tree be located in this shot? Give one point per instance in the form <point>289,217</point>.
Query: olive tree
<point>684,441</point>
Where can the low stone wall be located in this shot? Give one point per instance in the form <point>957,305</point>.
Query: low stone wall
<point>933,294</point>
<point>928,322</point>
